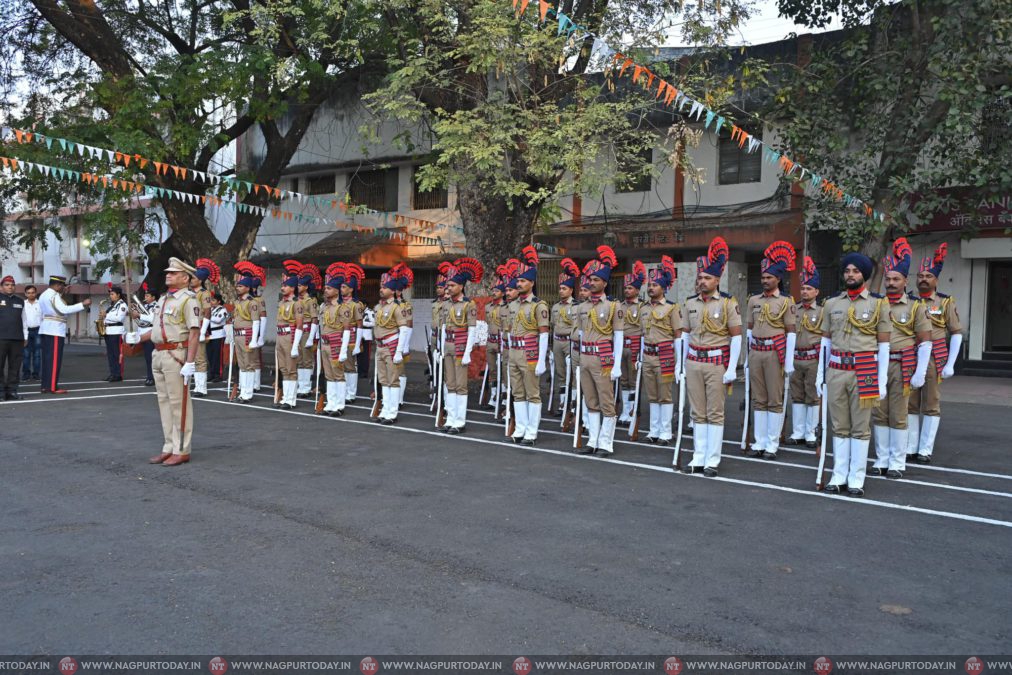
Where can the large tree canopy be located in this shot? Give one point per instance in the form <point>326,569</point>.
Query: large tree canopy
<point>914,97</point>
<point>176,82</point>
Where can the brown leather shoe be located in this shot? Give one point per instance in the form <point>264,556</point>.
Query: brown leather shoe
<point>176,460</point>
<point>160,458</point>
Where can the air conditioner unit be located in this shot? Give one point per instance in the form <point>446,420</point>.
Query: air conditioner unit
<point>85,275</point>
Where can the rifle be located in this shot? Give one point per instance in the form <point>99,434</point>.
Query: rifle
<point>377,393</point>
<point>783,413</point>
<point>484,381</point>
<point>634,423</point>
<point>677,461</point>
<point>551,380</point>
<point>825,421</point>
<point>319,370</point>
<point>437,379</point>
<point>744,426</point>
<point>511,424</point>
<point>277,376</point>
<point>567,411</point>
<point>430,362</point>
<point>230,392</point>
<point>498,384</point>
<point>578,413</point>
<point>440,409</point>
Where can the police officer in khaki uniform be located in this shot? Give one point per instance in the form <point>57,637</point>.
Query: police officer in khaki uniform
<point>662,350</point>
<point>855,343</point>
<point>712,320</point>
<point>291,324</point>
<point>804,397</point>
<point>246,327</point>
<point>493,351</point>
<point>335,337</point>
<point>946,339</point>
<point>909,353</point>
<point>528,339</point>
<point>600,322</point>
<point>207,272</point>
<point>355,311</point>
<point>771,336</point>
<point>632,336</point>
<point>392,334</point>
<point>460,320</point>
<point>309,282</point>
<point>563,324</point>
<point>175,332</point>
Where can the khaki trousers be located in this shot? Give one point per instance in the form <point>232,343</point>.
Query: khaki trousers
<point>388,372</point>
<point>849,419</point>
<point>560,350</point>
<point>169,387</point>
<point>454,372</point>
<point>706,389</point>
<point>657,390</point>
<point>926,400</point>
<point>803,382</point>
<point>766,381</point>
<point>200,362</point>
<point>287,366</point>
<point>628,379</point>
<point>892,410</point>
<point>598,389</point>
<point>525,384</point>
<point>333,369</point>
<point>247,358</point>
<point>307,357</point>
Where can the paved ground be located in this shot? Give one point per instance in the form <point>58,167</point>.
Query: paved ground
<point>290,533</point>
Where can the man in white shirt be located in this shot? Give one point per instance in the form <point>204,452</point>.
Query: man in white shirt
<point>53,331</point>
<point>114,319</point>
<point>31,360</point>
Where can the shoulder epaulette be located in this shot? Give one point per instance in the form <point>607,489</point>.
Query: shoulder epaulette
<point>725,295</point>
<point>692,297</point>
<point>913,296</point>
<point>876,295</point>
<point>189,293</point>
<point>941,295</point>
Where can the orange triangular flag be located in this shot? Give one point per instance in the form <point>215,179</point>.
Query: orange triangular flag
<point>670,96</point>
<point>276,192</point>
<point>175,170</point>
<point>158,167</point>
<point>182,170</point>
<point>660,89</point>
<point>105,181</point>
<point>256,188</point>
<point>650,80</point>
<point>543,9</point>
<point>637,71</point>
<point>118,156</point>
<point>126,160</point>
<point>140,159</point>
<point>628,62</point>
<point>20,135</point>
<point>743,139</point>
<point>523,6</point>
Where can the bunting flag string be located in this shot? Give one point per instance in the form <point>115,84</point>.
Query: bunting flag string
<point>135,189</point>
<point>235,185</point>
<point>677,99</point>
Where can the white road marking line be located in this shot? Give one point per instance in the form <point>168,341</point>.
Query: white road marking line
<point>74,391</point>
<point>649,467</point>
<point>36,384</point>
<point>60,398</point>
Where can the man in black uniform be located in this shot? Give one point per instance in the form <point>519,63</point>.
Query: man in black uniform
<point>13,337</point>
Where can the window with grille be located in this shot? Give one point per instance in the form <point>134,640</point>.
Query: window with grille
<point>996,122</point>
<point>321,185</point>
<point>376,189</point>
<point>437,198</point>
<point>424,286</point>
<point>736,164</point>
<point>634,171</point>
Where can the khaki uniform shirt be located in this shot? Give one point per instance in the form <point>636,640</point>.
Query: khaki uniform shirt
<point>599,320</point>
<point>310,308</point>
<point>564,317</point>
<point>175,314</point>
<point>247,312</point>
<point>493,316</point>
<point>390,317</point>
<point>334,318</point>
<point>633,326</point>
<point>661,321</point>
<point>908,317</point>
<point>721,312</point>
<point>842,313</point>
<point>290,313</point>
<point>809,325</point>
<point>528,316</point>
<point>943,315</point>
<point>771,315</point>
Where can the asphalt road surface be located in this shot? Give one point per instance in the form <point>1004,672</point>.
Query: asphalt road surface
<point>292,533</point>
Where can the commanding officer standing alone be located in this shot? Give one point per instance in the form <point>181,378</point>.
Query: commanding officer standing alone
<point>946,338</point>
<point>856,345</point>
<point>176,329</point>
<point>771,337</point>
<point>804,397</point>
<point>909,352</point>
<point>713,321</point>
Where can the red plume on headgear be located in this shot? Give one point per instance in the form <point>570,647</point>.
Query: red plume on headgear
<point>512,265</point>
<point>668,265</point>
<point>292,267</point>
<point>259,272</point>
<point>444,268</point>
<point>471,267</point>
<point>606,255</point>
<point>407,274</point>
<point>530,255</point>
<point>313,272</point>
<point>940,254</point>
<point>501,271</point>
<point>781,252</point>
<point>901,249</point>
<point>639,270</point>
<point>336,270</point>
<point>718,247</point>
<point>212,267</point>
<point>809,267</point>
<point>352,270</point>
<point>570,267</point>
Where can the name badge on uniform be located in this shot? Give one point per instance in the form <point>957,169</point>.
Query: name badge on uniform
<point>716,315</point>
<point>904,318</point>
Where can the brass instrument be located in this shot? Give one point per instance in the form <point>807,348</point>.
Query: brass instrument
<point>100,321</point>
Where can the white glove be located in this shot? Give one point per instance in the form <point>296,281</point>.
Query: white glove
<point>540,368</point>
<point>748,336</point>
<point>921,370</point>
<point>131,338</point>
<point>792,341</point>
<point>824,346</point>
<point>731,374</point>
<point>358,343</point>
<point>254,337</point>
<point>345,336</point>
<point>955,342</point>
<point>617,346</point>
<point>204,324</point>
<point>404,340</point>
<point>883,369</point>
<point>465,360</point>
<point>398,356</point>
<point>187,370</point>
<point>295,344</point>
<point>679,346</point>
<point>263,332</point>
<point>229,334</point>
<point>309,340</point>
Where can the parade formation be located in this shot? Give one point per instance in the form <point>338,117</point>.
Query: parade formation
<point>859,368</point>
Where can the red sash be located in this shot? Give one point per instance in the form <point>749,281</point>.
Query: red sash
<point>779,344</point>
<point>459,339</point>
<point>529,344</point>
<point>333,341</point>
<point>665,353</point>
<point>865,367</point>
<point>940,350</point>
<point>633,343</point>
